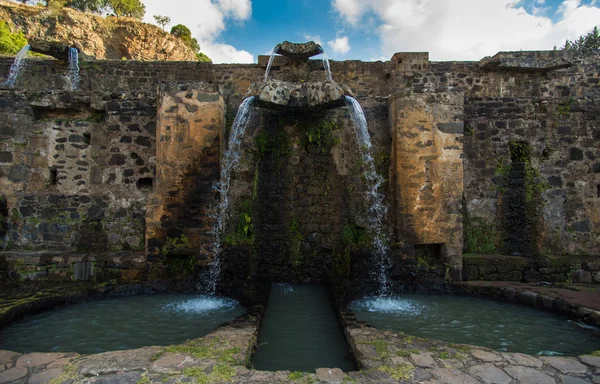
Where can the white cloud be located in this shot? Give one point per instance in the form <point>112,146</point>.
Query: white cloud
<point>340,45</point>
<point>315,38</point>
<point>207,19</point>
<point>468,29</point>
<point>350,9</point>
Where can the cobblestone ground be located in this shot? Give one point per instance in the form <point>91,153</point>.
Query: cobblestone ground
<point>385,357</point>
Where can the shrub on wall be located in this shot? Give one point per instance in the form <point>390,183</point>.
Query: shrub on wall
<point>10,43</point>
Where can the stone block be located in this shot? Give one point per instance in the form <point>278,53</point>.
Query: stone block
<point>581,276</point>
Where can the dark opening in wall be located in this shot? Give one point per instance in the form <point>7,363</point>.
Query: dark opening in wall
<point>429,251</point>
<point>598,190</point>
<point>88,138</point>
<point>53,176</point>
<point>77,111</point>
<point>145,184</point>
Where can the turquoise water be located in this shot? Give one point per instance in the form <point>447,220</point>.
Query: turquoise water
<point>120,323</point>
<point>301,332</point>
<point>487,323</point>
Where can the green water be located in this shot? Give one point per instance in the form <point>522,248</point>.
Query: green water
<point>120,323</point>
<point>301,332</point>
<point>487,323</point>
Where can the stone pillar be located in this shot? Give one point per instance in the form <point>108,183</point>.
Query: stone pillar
<point>189,132</point>
<point>427,172</point>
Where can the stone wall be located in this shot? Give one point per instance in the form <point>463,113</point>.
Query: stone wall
<point>77,168</point>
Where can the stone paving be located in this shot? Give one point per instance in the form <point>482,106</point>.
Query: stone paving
<point>222,357</point>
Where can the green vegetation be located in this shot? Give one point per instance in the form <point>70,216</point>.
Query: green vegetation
<point>296,375</point>
<point>243,232</point>
<point>401,372</point>
<point>216,348</point>
<point>480,236</point>
<point>353,237</point>
<point>278,145</point>
<point>585,43</point>
<point>10,43</point>
<point>322,135</point>
<point>162,20</point>
<point>129,8</point>
<point>174,244</point>
<point>221,373</point>
<point>407,352</point>
<point>185,34</point>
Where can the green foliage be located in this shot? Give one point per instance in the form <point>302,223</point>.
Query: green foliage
<point>322,135</point>
<point>10,43</point>
<point>93,6</point>
<point>243,232</point>
<point>185,34</point>
<point>215,348</point>
<point>180,265</point>
<point>585,43</point>
<point>296,375</point>
<point>174,244</point>
<point>130,8</point>
<point>480,236</point>
<point>277,145</point>
<point>162,20</point>
<point>353,237</point>
<point>519,151</point>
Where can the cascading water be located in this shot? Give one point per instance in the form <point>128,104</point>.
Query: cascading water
<point>231,158</point>
<point>327,67</point>
<point>16,66</point>
<point>74,68</point>
<point>377,209</point>
<point>270,64</point>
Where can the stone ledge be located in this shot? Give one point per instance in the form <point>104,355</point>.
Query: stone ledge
<point>526,61</point>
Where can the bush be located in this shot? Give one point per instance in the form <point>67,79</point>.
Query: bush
<point>10,43</point>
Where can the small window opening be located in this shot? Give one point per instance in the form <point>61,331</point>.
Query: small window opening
<point>598,190</point>
<point>145,184</point>
<point>53,176</point>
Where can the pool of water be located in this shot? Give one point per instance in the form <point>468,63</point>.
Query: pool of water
<point>301,332</point>
<point>487,323</point>
<point>120,323</point>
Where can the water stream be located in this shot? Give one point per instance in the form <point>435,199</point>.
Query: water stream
<point>16,67</point>
<point>229,163</point>
<point>374,199</point>
<point>74,67</point>
<point>270,64</point>
<point>327,67</point>
<point>301,332</point>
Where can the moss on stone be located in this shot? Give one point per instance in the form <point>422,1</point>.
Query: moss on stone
<point>216,348</point>
<point>321,134</point>
<point>296,375</point>
<point>400,372</point>
<point>407,352</point>
<point>221,373</point>
<point>481,237</point>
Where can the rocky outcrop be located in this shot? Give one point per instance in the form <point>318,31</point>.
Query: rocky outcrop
<point>109,38</point>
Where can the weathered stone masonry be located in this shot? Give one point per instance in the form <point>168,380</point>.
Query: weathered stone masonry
<point>504,152</point>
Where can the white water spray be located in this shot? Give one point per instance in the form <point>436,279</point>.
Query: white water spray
<point>74,68</point>
<point>16,67</point>
<point>377,209</point>
<point>270,64</point>
<point>327,67</point>
<point>231,159</point>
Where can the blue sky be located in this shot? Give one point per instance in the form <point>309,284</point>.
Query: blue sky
<point>240,30</point>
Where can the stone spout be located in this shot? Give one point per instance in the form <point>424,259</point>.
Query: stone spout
<point>275,94</point>
<point>298,51</point>
<point>56,49</point>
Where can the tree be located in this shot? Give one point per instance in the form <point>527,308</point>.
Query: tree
<point>94,6</point>
<point>130,8</point>
<point>585,43</point>
<point>162,20</point>
<point>185,34</point>
<point>10,43</point>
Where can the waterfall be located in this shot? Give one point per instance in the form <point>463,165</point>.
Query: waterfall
<point>374,199</point>
<point>231,159</point>
<point>74,67</point>
<point>327,67</point>
<point>16,66</point>
<point>270,64</point>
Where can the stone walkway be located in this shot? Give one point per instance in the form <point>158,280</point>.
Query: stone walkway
<point>222,356</point>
